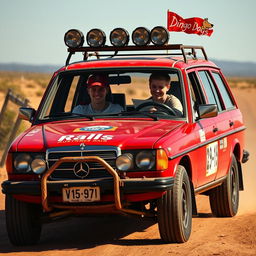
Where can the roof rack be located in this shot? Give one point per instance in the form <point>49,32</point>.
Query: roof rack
<point>180,48</point>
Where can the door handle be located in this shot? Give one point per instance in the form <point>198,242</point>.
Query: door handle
<point>231,123</point>
<point>215,129</point>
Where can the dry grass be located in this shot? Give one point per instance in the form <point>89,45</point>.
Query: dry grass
<point>242,82</point>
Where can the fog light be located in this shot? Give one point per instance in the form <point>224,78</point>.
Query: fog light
<point>141,36</point>
<point>38,165</point>
<point>119,37</point>
<point>96,38</point>
<point>159,35</point>
<point>74,38</point>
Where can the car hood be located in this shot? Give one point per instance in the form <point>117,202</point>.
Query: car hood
<point>126,134</point>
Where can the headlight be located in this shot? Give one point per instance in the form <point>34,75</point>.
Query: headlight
<point>74,38</point>
<point>119,37</point>
<point>96,38</point>
<point>38,165</point>
<point>145,159</point>
<point>124,162</point>
<point>22,163</point>
<point>159,35</point>
<point>141,36</point>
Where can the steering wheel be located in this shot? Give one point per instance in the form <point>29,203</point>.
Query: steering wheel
<point>166,108</point>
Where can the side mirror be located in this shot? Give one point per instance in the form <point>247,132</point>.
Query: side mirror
<point>207,111</point>
<point>26,113</point>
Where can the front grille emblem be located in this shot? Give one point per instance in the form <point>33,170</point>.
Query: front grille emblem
<point>81,170</point>
<point>82,146</point>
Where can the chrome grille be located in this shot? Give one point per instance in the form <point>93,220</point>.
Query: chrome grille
<point>65,170</point>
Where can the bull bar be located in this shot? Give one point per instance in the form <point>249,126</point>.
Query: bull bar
<point>117,184</point>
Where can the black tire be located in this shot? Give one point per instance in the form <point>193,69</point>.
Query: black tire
<point>22,221</point>
<point>224,200</point>
<point>174,210</point>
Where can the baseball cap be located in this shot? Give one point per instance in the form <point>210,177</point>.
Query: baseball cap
<point>97,80</point>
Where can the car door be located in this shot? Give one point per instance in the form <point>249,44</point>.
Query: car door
<point>218,150</point>
<point>232,123</point>
<point>205,155</point>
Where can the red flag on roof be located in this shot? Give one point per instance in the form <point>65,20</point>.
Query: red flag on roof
<point>194,25</point>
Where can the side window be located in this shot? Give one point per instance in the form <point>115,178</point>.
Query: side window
<point>210,89</point>
<point>223,90</point>
<point>197,95</point>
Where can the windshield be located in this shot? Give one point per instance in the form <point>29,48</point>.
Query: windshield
<point>156,93</point>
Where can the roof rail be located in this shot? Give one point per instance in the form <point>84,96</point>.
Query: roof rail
<point>179,48</point>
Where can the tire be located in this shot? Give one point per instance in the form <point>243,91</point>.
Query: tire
<point>22,221</point>
<point>174,210</point>
<point>224,200</point>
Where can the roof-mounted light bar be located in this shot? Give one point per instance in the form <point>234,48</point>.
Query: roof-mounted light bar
<point>119,37</point>
<point>141,36</point>
<point>96,38</point>
<point>159,35</point>
<point>74,38</point>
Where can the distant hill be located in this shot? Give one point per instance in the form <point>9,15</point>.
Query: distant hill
<point>233,68</point>
<point>230,68</point>
<point>20,67</point>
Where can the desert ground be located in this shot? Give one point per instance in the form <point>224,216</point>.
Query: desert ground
<point>132,236</point>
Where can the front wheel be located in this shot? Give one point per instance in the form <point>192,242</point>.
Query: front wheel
<point>22,221</point>
<point>174,210</point>
<point>224,200</point>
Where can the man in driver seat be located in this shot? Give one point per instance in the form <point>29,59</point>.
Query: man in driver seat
<point>159,85</point>
<point>98,88</point>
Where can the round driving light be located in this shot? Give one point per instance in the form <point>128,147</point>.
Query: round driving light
<point>145,160</point>
<point>96,38</point>
<point>124,162</point>
<point>119,37</point>
<point>159,35</point>
<point>141,36</point>
<point>22,163</point>
<point>38,165</point>
<point>74,38</point>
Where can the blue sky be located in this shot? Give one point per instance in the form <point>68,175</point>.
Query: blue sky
<point>32,31</point>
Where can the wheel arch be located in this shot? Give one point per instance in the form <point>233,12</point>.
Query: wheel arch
<point>186,163</point>
<point>238,154</point>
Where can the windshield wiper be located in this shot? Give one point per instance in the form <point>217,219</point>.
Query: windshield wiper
<point>64,114</point>
<point>155,118</point>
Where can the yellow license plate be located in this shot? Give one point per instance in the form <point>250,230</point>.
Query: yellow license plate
<point>81,194</point>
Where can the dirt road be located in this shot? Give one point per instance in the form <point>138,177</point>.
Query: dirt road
<point>132,236</point>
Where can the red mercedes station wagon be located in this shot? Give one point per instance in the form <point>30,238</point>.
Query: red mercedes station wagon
<point>169,129</point>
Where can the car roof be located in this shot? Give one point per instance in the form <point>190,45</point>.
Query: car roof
<point>141,61</point>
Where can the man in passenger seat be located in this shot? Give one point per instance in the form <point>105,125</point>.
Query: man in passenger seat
<point>98,88</point>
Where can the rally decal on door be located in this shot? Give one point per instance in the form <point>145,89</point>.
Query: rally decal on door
<point>211,158</point>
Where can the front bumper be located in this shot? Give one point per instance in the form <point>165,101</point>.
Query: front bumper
<point>127,186</point>
<point>115,186</point>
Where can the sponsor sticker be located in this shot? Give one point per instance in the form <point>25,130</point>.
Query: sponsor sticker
<point>202,135</point>
<point>211,158</point>
<point>223,143</point>
<point>96,128</point>
<point>88,137</point>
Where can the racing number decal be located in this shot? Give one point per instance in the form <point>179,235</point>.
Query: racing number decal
<point>211,158</point>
